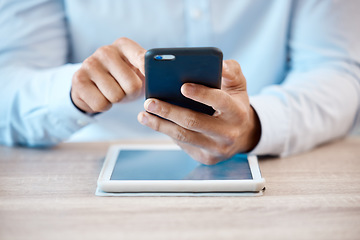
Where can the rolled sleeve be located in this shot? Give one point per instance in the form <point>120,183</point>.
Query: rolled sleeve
<point>274,124</point>
<point>62,112</point>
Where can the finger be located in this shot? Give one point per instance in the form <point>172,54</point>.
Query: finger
<point>132,52</point>
<point>108,86</point>
<point>92,96</point>
<point>175,131</point>
<point>79,103</point>
<point>129,81</point>
<point>216,98</point>
<point>184,117</point>
<point>199,154</point>
<point>233,78</point>
<point>126,77</point>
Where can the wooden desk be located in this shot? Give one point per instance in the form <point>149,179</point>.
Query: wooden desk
<point>49,194</point>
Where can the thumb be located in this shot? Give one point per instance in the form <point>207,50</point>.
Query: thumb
<point>233,79</point>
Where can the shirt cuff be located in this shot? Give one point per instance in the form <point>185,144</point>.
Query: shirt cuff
<point>274,122</point>
<point>62,112</point>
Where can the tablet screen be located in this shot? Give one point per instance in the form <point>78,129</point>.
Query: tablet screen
<point>175,165</point>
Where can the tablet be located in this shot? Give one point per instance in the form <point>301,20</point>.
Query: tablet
<point>166,168</point>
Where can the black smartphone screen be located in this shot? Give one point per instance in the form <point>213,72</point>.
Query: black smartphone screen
<point>167,69</point>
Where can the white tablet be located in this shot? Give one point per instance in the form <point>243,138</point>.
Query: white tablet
<point>166,168</point>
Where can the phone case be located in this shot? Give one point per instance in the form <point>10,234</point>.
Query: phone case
<point>164,78</point>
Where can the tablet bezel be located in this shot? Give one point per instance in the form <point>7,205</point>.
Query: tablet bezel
<point>107,185</point>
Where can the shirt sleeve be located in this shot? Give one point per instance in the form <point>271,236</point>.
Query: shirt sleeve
<point>319,98</point>
<point>35,109</point>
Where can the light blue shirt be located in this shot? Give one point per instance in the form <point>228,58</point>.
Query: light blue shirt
<point>300,58</point>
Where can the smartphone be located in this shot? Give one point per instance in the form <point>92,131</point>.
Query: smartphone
<point>167,69</point>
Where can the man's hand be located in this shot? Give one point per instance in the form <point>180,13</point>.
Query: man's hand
<point>112,74</point>
<point>233,128</point>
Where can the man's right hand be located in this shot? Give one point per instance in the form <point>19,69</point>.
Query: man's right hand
<point>112,74</point>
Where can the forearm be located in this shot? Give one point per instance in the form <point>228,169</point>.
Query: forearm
<point>36,107</point>
<point>310,108</point>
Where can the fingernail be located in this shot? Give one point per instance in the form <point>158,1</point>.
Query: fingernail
<point>150,106</point>
<point>188,88</point>
<point>144,119</point>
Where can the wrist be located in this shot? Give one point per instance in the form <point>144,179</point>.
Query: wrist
<point>252,137</point>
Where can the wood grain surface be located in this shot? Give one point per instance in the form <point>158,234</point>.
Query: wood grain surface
<point>49,194</point>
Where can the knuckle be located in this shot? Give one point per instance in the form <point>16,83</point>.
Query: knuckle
<point>218,149</point>
<point>223,150</point>
<point>100,106</point>
<point>181,135</point>
<point>79,77</point>
<point>90,63</point>
<point>115,98</point>
<point>122,40</point>
<point>165,111</point>
<point>156,125</point>
<point>191,122</point>
<point>133,87</point>
<point>235,65</point>
<point>230,137</point>
<point>140,56</point>
<point>105,52</point>
<point>208,159</point>
<point>235,68</point>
